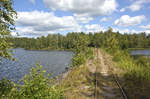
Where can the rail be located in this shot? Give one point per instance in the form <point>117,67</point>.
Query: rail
<point>124,95</point>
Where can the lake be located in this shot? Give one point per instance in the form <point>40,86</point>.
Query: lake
<point>140,52</point>
<point>55,62</point>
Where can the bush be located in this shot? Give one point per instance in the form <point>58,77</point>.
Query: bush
<point>37,85</point>
<point>89,53</point>
<point>5,87</point>
<point>144,61</point>
<point>78,59</point>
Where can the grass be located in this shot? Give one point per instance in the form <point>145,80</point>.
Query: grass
<point>136,74</point>
<point>76,84</point>
<point>79,83</point>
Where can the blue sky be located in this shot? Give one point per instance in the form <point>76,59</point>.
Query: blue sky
<point>42,17</point>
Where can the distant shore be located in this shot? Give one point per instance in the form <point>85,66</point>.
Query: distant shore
<point>139,48</point>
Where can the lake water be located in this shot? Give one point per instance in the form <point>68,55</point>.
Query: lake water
<point>141,52</point>
<point>55,62</point>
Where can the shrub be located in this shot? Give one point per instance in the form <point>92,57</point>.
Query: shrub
<point>78,59</point>
<point>36,85</point>
<point>89,53</point>
<point>5,87</point>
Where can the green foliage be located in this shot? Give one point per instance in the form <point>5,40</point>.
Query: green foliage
<point>76,41</point>
<point>78,59</point>
<point>81,57</point>
<point>5,87</point>
<point>143,60</point>
<point>136,69</point>
<point>36,85</point>
<point>7,15</point>
<point>112,43</point>
<point>4,49</point>
<point>89,53</point>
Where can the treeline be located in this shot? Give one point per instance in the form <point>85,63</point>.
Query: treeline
<point>71,40</point>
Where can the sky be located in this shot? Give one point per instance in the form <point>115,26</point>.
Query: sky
<point>41,17</point>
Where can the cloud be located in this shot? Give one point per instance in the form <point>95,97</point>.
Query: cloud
<point>40,23</point>
<point>126,30</point>
<point>83,19</point>
<point>122,10</point>
<point>146,27</point>
<point>97,28</point>
<point>104,19</point>
<point>84,7</point>
<point>126,20</point>
<point>94,28</point>
<point>136,5</point>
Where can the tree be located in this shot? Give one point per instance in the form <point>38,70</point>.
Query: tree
<point>7,15</point>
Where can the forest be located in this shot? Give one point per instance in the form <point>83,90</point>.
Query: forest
<point>69,41</point>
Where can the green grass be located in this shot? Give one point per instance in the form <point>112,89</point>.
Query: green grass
<point>132,67</point>
<point>134,74</point>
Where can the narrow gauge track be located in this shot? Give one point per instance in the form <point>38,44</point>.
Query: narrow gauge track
<point>122,91</point>
<point>124,95</point>
<point>95,91</point>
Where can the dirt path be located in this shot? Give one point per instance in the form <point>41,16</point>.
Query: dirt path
<point>107,86</point>
<point>104,68</point>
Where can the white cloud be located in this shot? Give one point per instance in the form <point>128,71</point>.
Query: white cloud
<point>122,10</point>
<point>126,20</point>
<point>40,23</point>
<point>94,28</point>
<point>136,5</point>
<point>97,28</point>
<point>83,19</point>
<point>104,19</point>
<point>126,30</point>
<point>84,7</point>
<point>146,27</point>
<point>130,31</point>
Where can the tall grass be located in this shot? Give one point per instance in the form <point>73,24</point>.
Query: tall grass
<point>134,68</point>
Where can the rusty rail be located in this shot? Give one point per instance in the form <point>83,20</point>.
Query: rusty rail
<point>124,95</point>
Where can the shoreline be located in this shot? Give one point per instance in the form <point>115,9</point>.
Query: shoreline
<point>138,49</point>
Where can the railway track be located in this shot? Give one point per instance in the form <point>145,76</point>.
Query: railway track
<point>115,78</point>
<point>95,91</point>
<point>124,95</point>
